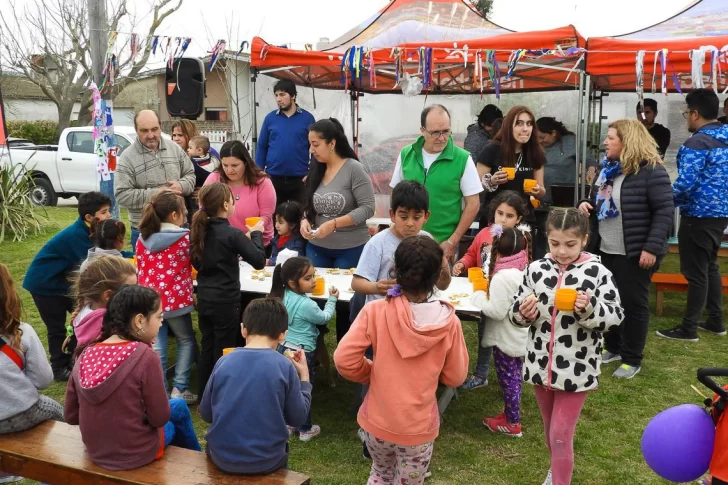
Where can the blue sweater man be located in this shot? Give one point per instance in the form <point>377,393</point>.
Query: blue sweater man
<point>283,144</point>
<point>47,278</point>
<point>701,193</point>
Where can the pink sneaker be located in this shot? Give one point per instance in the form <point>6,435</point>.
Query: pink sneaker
<point>499,424</point>
<point>310,434</point>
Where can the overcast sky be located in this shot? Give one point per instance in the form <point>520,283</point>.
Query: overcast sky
<point>305,21</point>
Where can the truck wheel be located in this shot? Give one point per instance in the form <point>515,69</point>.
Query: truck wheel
<point>42,193</point>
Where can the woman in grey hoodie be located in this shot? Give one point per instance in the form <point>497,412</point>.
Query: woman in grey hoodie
<point>108,238</point>
<point>480,133</point>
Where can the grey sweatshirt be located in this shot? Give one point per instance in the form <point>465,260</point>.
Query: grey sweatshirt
<point>95,253</point>
<point>20,387</point>
<point>141,172</point>
<point>349,193</point>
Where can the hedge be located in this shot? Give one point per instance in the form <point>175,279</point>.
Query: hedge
<point>40,132</point>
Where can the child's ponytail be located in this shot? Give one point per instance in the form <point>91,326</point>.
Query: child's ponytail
<point>508,241</point>
<point>212,201</point>
<point>158,210</point>
<point>107,234</point>
<point>278,285</point>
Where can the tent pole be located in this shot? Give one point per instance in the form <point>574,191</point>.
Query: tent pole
<point>254,108</point>
<point>354,134</point>
<point>579,135</point>
<point>585,146</point>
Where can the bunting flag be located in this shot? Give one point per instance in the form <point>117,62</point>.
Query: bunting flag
<point>639,66</point>
<point>218,49</point>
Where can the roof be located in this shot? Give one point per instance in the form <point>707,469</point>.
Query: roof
<point>417,21</point>
<point>612,60</point>
<point>453,64</point>
<point>19,87</point>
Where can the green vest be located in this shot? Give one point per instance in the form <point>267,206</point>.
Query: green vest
<point>442,182</point>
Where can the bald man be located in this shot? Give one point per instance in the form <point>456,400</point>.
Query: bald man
<point>149,165</point>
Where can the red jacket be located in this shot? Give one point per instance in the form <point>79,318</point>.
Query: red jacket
<point>474,257</point>
<point>163,264</point>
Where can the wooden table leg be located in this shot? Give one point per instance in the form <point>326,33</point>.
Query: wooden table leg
<point>447,396</point>
<point>658,303</point>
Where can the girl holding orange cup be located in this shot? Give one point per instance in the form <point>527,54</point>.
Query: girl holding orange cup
<point>513,156</point>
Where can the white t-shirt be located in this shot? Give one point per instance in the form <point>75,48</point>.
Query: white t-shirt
<point>469,182</point>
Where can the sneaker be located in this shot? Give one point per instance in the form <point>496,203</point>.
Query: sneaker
<point>474,382</point>
<point>291,431</point>
<point>500,424</point>
<point>428,474</point>
<point>62,375</point>
<point>188,397</point>
<point>608,357</point>
<point>678,333</point>
<point>714,329</point>
<point>549,479</point>
<point>626,371</point>
<point>310,434</point>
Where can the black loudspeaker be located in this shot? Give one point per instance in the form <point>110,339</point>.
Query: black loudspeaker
<point>186,88</point>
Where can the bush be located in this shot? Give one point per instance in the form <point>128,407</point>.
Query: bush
<point>40,132</point>
<point>17,212</point>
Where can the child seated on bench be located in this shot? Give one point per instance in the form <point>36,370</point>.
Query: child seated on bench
<point>24,369</point>
<point>253,392</point>
<point>118,388</point>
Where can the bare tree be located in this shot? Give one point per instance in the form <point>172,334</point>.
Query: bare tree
<point>48,42</point>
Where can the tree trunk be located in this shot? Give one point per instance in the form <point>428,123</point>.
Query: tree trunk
<point>85,111</point>
<point>65,110</point>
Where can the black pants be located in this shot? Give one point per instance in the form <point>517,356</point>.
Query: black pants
<point>288,188</point>
<point>633,284</point>
<point>718,481</point>
<point>540,244</point>
<point>219,325</point>
<point>53,311</point>
<point>699,242</point>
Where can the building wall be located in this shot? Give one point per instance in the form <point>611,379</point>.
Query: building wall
<point>34,109</point>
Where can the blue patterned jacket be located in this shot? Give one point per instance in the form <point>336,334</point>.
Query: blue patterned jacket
<point>701,188</point>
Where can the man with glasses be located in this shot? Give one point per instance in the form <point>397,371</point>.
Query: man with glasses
<point>701,193</point>
<point>449,174</point>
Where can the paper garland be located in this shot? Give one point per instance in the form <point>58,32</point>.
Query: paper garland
<point>103,133</point>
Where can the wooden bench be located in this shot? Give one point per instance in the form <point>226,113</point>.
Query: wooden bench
<point>53,452</point>
<point>673,282</point>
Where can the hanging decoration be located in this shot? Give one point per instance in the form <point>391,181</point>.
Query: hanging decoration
<point>697,58</point>
<point>111,67</point>
<point>103,133</point>
<point>478,70</point>
<point>398,55</point>
<point>661,57</point>
<point>243,44</point>
<point>135,43</point>
<point>639,66</point>
<point>494,72</point>
<point>155,44</point>
<point>516,56</point>
<point>425,66</point>
<point>218,49</point>
<point>370,66</point>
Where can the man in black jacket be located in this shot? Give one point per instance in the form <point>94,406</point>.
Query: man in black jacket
<point>647,114</point>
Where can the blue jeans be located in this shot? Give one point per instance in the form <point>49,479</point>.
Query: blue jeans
<point>334,258</point>
<point>179,430</point>
<point>309,361</point>
<point>186,348</point>
<point>134,236</point>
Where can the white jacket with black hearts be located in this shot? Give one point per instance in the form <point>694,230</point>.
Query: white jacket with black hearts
<point>563,350</point>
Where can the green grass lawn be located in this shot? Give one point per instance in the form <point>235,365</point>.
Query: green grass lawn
<point>607,445</point>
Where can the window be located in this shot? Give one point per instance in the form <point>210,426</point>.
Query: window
<point>216,114</point>
<point>122,143</point>
<point>80,141</point>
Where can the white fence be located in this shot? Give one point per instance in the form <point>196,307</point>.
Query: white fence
<point>217,138</point>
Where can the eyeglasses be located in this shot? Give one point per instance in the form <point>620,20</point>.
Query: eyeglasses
<point>686,113</point>
<point>438,134</point>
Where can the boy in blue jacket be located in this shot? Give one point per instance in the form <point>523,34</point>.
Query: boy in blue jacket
<point>701,193</point>
<point>47,276</point>
<point>253,392</point>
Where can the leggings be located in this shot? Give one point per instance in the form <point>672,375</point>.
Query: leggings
<point>510,378</point>
<point>560,411</point>
<point>395,464</point>
<point>179,431</point>
<point>44,409</point>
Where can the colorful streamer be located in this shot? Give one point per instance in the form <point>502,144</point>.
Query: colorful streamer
<point>640,74</point>
<point>218,49</point>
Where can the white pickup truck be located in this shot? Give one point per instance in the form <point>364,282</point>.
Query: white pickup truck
<point>69,168</point>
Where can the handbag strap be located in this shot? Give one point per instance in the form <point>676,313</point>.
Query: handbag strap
<point>11,353</point>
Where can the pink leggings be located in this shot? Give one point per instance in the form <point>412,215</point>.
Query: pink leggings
<point>560,411</point>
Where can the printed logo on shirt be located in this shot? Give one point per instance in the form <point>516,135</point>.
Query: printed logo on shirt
<point>330,204</point>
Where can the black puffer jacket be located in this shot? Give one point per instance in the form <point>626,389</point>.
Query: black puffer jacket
<point>647,209</point>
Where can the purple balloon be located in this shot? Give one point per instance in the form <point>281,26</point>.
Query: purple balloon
<point>678,443</point>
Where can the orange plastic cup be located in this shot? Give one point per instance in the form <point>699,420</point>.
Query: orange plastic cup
<point>480,285</point>
<point>510,171</point>
<point>528,185</point>
<point>251,221</point>
<point>194,273</point>
<point>475,274</point>
<point>565,299</point>
<point>320,287</point>
<point>535,203</point>
<point>228,350</point>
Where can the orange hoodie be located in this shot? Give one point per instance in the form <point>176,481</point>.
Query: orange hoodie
<point>410,357</point>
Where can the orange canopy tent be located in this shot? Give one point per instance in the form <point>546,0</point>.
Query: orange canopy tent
<point>611,61</point>
<point>546,64</point>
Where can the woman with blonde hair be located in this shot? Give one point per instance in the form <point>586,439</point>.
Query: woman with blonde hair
<point>631,210</point>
